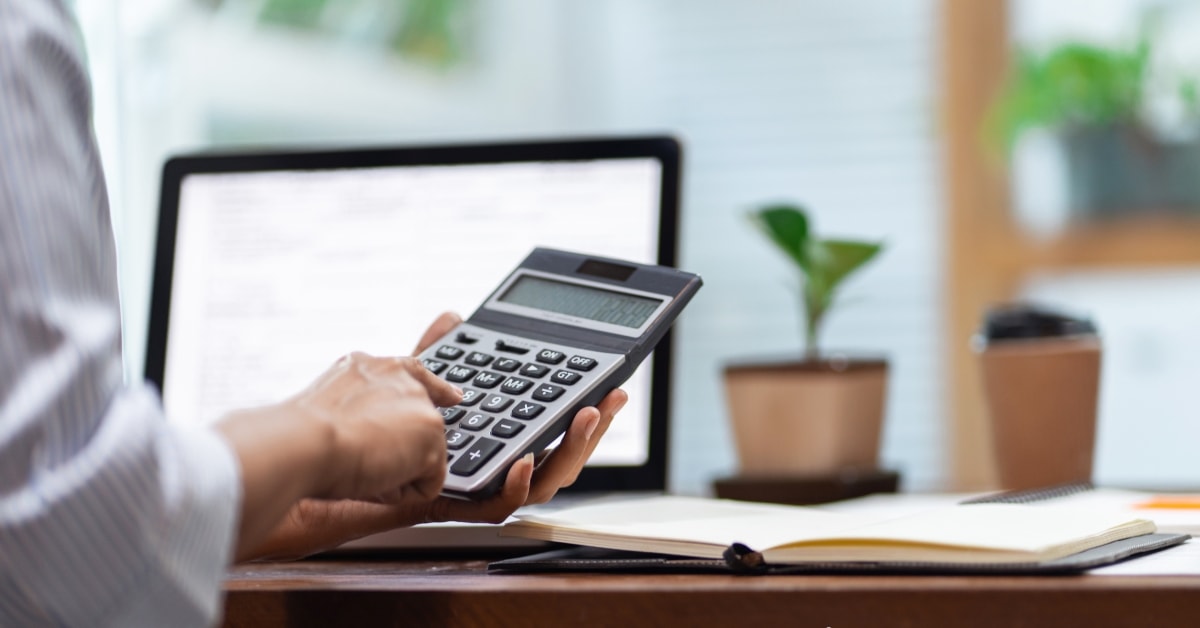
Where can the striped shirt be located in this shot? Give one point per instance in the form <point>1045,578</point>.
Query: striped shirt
<point>109,515</point>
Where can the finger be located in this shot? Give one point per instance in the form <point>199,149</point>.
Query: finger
<point>608,408</point>
<point>558,467</point>
<point>440,327</point>
<point>440,392</point>
<point>513,495</point>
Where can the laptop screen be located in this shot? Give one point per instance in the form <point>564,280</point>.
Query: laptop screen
<point>271,266</point>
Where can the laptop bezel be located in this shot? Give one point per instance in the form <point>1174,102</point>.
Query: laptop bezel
<point>650,476</point>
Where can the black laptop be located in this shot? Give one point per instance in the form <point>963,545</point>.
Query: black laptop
<point>272,264</point>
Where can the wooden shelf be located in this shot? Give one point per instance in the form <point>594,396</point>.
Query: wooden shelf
<point>1135,242</point>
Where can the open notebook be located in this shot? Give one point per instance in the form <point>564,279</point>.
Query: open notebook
<point>984,537</point>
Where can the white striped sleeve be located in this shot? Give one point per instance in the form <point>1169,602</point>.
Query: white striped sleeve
<point>109,516</point>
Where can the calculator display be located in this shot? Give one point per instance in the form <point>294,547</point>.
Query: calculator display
<point>582,301</point>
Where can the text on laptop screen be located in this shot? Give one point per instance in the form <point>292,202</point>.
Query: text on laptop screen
<point>278,273</point>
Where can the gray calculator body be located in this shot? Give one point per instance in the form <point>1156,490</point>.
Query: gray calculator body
<point>558,334</point>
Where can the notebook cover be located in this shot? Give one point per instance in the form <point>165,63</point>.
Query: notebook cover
<point>741,560</point>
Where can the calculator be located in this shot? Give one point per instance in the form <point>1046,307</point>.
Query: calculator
<point>559,333</point>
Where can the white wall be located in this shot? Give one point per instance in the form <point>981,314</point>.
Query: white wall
<point>824,102</point>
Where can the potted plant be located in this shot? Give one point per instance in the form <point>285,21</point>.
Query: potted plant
<point>819,412</point>
<point>1094,100</point>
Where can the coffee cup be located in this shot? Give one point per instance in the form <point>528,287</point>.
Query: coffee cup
<point>1041,381</point>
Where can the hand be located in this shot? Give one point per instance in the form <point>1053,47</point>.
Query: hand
<point>315,525</point>
<point>366,429</point>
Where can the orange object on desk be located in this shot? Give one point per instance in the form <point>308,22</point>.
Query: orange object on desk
<point>1171,502</point>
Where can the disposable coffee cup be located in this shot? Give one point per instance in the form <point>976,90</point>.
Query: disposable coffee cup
<point>1041,380</point>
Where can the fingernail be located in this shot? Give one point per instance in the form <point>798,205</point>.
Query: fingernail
<point>591,428</point>
<point>528,457</point>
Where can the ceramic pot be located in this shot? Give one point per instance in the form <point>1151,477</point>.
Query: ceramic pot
<point>807,417</point>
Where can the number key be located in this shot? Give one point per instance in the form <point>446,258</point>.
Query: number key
<point>457,440</point>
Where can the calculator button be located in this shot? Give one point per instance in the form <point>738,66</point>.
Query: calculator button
<point>534,370</point>
<point>507,428</point>
<point>565,377</point>
<point>450,415</point>
<point>434,366</point>
<point>487,380</point>
<point>496,403</point>
<point>550,356</point>
<point>460,373</point>
<point>507,365</point>
<point>457,440</point>
<point>527,410</point>
<point>581,363</point>
<point>465,338</point>
<point>476,358</point>
<point>515,385</point>
<point>475,422</point>
<point>470,397</point>
<point>548,392</point>
<point>475,457</point>
<point>502,345</point>
<point>448,352</point>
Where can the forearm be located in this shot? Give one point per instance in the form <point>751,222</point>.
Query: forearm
<point>285,455</point>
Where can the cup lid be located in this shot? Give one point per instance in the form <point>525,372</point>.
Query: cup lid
<point>1016,321</point>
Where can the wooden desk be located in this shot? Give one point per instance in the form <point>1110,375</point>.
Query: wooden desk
<point>460,593</point>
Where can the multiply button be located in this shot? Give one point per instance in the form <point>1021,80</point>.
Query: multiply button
<point>476,456</point>
<point>460,374</point>
<point>550,356</point>
<point>526,410</point>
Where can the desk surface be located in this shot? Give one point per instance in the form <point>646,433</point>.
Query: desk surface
<point>460,592</point>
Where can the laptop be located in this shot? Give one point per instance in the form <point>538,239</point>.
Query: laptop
<point>272,264</point>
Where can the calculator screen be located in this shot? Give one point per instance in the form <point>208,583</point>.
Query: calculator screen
<point>596,304</point>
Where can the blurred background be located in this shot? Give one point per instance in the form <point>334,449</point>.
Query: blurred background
<point>977,138</point>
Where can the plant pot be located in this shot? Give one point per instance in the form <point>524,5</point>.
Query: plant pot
<point>1119,169</point>
<point>807,417</point>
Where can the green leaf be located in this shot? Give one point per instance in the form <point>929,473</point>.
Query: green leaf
<point>839,258</point>
<point>787,227</point>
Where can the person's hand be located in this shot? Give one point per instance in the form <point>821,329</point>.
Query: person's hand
<point>314,525</point>
<point>365,429</point>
